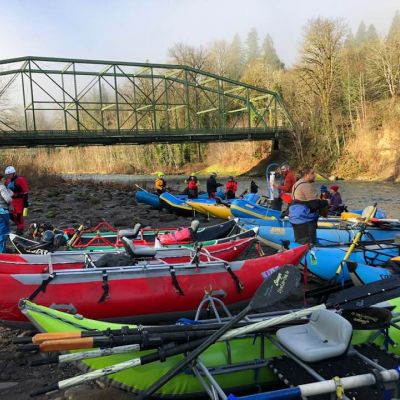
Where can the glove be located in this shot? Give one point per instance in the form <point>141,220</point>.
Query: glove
<point>25,212</point>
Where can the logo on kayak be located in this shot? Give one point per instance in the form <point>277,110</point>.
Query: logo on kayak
<point>277,231</point>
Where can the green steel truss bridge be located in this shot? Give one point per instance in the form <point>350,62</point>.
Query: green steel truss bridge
<point>68,102</point>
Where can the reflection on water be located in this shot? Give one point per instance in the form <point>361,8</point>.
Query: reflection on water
<point>354,194</point>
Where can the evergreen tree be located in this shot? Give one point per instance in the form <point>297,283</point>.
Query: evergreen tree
<point>394,31</point>
<point>269,54</point>
<point>361,35</point>
<point>236,58</point>
<point>372,34</point>
<point>252,50</point>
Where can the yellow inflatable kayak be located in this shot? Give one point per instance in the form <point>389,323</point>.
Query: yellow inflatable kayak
<point>214,210</point>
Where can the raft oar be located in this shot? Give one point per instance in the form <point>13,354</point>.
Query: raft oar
<point>328,386</point>
<point>146,341</point>
<point>140,330</point>
<point>354,243</point>
<point>277,287</point>
<point>84,355</point>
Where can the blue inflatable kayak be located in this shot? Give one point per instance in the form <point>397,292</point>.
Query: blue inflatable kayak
<point>328,232</point>
<point>324,261</point>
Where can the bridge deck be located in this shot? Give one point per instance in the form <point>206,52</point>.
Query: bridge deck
<point>62,138</point>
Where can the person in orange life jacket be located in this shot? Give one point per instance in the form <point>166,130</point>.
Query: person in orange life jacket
<point>212,185</point>
<point>19,186</point>
<point>305,208</point>
<point>231,188</point>
<point>160,184</point>
<point>5,202</point>
<point>192,186</point>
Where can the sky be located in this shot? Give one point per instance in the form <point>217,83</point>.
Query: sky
<point>144,30</point>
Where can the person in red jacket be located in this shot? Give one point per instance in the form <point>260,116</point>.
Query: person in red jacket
<point>19,186</point>
<point>289,181</point>
<point>230,188</point>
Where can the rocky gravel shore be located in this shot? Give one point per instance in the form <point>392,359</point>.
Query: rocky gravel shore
<point>66,204</point>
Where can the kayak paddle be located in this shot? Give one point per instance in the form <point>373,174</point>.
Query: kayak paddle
<point>354,243</point>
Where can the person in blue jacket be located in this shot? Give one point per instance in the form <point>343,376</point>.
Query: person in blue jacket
<point>305,208</point>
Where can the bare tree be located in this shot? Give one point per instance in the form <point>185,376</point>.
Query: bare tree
<point>320,64</point>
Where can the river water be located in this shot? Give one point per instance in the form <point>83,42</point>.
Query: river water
<point>355,194</point>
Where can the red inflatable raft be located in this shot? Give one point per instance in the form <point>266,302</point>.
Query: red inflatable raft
<point>139,293</point>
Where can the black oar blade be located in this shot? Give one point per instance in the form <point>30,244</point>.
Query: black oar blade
<point>367,295</point>
<point>368,318</point>
<point>277,287</point>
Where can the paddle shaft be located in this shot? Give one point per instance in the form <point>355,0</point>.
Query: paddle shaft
<point>141,330</point>
<point>145,341</point>
<point>356,240</point>
<point>139,187</point>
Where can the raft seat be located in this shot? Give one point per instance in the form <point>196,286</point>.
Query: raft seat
<point>130,233</point>
<point>327,335</point>
<point>137,251</point>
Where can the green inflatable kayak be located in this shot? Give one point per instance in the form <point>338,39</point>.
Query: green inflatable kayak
<point>234,364</point>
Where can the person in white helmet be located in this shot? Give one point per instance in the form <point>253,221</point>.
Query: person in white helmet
<point>19,186</point>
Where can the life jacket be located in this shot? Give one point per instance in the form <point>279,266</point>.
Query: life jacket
<point>160,183</point>
<point>180,236</point>
<point>232,186</point>
<point>192,184</point>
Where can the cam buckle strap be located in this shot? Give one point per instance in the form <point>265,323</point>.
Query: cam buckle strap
<point>105,286</point>
<point>175,281</point>
<point>42,286</point>
<point>239,284</point>
<point>339,388</point>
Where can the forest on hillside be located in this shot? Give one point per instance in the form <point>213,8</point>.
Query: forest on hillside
<point>342,93</point>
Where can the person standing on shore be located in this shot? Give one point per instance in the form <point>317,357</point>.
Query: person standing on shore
<point>212,185</point>
<point>286,188</point>
<point>192,186</point>
<point>160,184</point>
<point>5,201</point>
<point>305,208</point>
<point>253,187</point>
<point>19,186</point>
<point>231,188</point>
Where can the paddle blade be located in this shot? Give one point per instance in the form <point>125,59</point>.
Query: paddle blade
<point>366,295</point>
<point>279,285</point>
<point>368,318</point>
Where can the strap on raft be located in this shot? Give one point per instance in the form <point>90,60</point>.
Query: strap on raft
<point>106,287</point>
<point>175,281</point>
<point>239,285</point>
<point>42,286</point>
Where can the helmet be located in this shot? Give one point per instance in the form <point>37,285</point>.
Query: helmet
<point>193,174</point>
<point>160,174</point>
<point>323,189</point>
<point>48,236</point>
<point>59,240</point>
<point>213,174</point>
<point>9,170</point>
<point>231,177</point>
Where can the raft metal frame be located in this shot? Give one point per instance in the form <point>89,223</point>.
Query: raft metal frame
<point>47,101</point>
